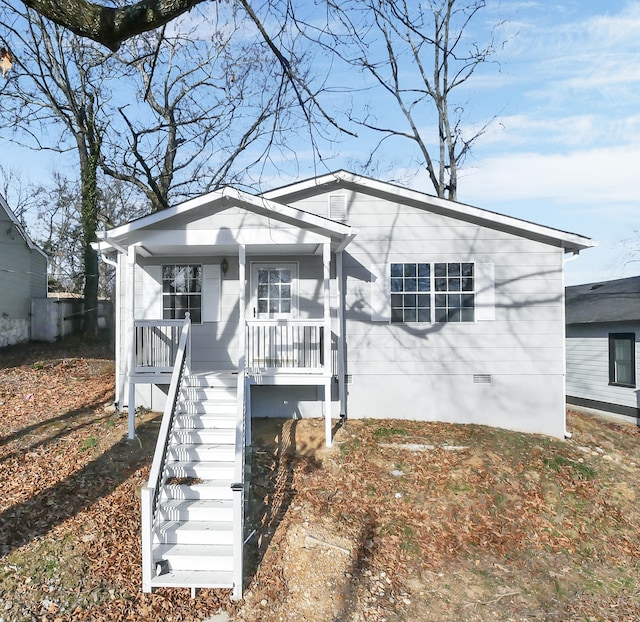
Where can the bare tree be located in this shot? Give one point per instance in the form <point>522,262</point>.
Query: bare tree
<point>55,95</point>
<point>15,188</point>
<point>202,102</point>
<point>419,57</point>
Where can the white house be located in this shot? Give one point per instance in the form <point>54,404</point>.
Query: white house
<point>337,296</point>
<point>603,335</point>
<point>23,276</point>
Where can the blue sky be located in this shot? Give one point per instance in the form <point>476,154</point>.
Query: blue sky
<point>564,149</point>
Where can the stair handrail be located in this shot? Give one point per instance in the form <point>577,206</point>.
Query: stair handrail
<point>150,492</point>
<point>238,486</point>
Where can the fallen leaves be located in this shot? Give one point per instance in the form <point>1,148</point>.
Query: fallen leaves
<point>401,520</point>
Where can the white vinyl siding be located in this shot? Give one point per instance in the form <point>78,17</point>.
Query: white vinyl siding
<point>588,365</point>
<point>211,293</point>
<point>426,370</point>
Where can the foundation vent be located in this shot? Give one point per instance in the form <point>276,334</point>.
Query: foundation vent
<point>481,378</point>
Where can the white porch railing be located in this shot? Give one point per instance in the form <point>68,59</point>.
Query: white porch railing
<point>286,344</point>
<point>156,345</point>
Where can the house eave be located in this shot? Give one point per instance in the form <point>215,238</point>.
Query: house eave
<point>120,238</point>
<point>570,242</point>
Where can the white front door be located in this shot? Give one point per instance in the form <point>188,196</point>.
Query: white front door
<point>274,291</point>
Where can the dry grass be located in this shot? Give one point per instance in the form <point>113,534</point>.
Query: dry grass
<point>399,521</point>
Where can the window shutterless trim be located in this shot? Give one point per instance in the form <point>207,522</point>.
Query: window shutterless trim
<point>631,338</point>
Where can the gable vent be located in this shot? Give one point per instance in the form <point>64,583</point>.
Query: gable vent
<point>338,207</point>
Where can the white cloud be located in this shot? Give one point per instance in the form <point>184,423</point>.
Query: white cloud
<point>592,177</point>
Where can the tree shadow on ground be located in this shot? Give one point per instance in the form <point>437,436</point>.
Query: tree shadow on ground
<point>74,346</point>
<point>35,516</point>
<point>271,487</point>
<point>75,419</point>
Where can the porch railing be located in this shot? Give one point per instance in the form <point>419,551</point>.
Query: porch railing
<point>156,345</point>
<point>288,344</point>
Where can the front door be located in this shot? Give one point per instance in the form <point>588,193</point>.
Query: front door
<point>274,288</point>
<point>274,297</point>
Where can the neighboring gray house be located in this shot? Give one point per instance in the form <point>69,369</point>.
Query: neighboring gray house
<point>340,295</point>
<point>23,276</point>
<point>603,331</point>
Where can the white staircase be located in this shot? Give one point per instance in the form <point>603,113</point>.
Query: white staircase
<point>192,539</point>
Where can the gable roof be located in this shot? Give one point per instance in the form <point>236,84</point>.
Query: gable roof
<point>225,197</point>
<point>20,229</point>
<point>604,301</point>
<point>570,242</point>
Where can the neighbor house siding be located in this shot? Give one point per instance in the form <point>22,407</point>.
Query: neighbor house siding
<point>23,276</point>
<point>588,367</point>
<point>426,371</point>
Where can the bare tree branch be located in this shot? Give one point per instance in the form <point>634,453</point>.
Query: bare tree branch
<point>110,26</point>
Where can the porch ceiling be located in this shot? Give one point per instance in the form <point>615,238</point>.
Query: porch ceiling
<point>229,250</point>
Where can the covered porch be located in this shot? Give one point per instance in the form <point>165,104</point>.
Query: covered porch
<point>263,294</point>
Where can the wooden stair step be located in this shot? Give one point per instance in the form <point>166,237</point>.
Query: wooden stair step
<point>227,393</point>
<point>194,578</point>
<point>195,532</point>
<point>199,421</point>
<point>196,509</point>
<point>214,557</point>
<point>202,452</point>
<point>212,489</point>
<point>225,436</point>
<point>220,385</point>
<point>200,470</point>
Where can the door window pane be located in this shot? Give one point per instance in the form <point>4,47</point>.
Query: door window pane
<point>274,291</point>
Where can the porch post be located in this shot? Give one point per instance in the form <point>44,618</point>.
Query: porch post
<point>242,348</point>
<point>326,262</point>
<point>340,334</point>
<point>131,308</point>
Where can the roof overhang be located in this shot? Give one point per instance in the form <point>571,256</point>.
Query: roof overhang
<point>570,242</point>
<point>294,230</point>
<point>20,229</point>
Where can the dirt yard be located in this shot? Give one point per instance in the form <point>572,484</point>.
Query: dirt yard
<point>399,521</point>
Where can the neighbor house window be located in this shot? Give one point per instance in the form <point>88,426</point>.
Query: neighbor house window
<point>182,292</point>
<point>622,359</point>
<point>410,292</point>
<point>454,287</point>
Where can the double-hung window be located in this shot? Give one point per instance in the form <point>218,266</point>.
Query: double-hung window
<point>438,292</point>
<point>622,359</point>
<point>454,292</point>
<point>410,292</point>
<point>182,292</point>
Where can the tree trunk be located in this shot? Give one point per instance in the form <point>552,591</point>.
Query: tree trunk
<point>89,218</point>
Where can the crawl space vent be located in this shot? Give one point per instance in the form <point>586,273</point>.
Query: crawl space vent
<point>481,378</point>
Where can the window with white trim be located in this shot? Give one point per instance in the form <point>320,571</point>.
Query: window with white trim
<point>410,297</point>
<point>622,359</point>
<point>182,291</point>
<point>438,292</point>
<point>454,292</point>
